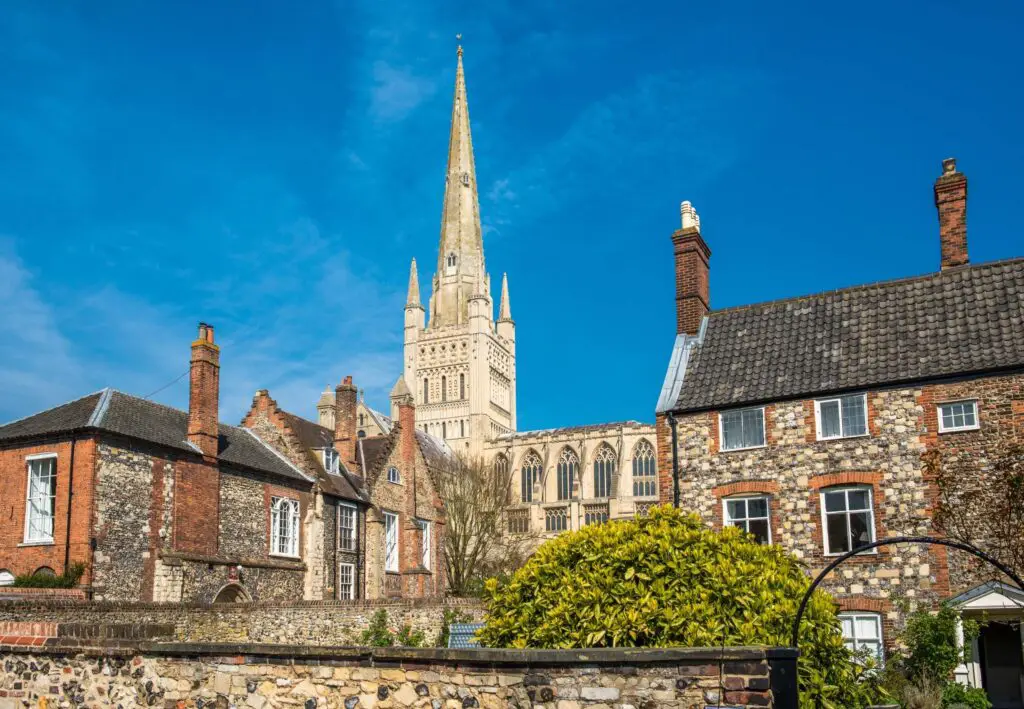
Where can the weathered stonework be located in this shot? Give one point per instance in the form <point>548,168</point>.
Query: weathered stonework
<point>211,676</point>
<point>793,468</point>
<point>304,623</point>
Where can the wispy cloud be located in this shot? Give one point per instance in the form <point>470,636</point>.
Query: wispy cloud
<point>397,91</point>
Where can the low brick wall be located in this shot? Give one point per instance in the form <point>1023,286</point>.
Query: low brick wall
<point>187,676</point>
<point>304,623</point>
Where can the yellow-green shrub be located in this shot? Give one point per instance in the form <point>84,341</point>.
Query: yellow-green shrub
<point>667,580</point>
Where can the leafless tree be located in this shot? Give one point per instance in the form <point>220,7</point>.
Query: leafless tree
<point>982,505</point>
<point>477,544</point>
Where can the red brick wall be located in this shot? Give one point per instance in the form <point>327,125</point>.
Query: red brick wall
<point>692,279</point>
<point>951,202</point>
<point>345,421</point>
<point>196,507</point>
<point>204,392</point>
<point>14,483</point>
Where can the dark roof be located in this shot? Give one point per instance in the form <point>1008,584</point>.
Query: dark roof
<point>114,412</point>
<point>371,449</point>
<point>962,321</point>
<point>374,449</point>
<point>313,436</point>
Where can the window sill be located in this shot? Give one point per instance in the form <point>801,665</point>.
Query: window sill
<point>40,543</point>
<point>833,555</point>
<point>843,438</point>
<point>293,557</point>
<point>965,429</point>
<point>740,450</point>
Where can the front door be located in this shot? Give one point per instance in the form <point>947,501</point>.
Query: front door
<point>1002,664</point>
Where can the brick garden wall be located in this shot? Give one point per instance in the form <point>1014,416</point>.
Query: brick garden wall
<point>187,676</point>
<point>305,623</point>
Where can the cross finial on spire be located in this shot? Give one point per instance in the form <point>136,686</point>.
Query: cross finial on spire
<point>458,38</point>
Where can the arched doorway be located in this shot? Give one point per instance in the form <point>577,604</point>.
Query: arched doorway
<point>232,593</point>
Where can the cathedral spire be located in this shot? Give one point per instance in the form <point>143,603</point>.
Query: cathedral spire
<point>413,299</point>
<point>505,307</point>
<point>461,273</point>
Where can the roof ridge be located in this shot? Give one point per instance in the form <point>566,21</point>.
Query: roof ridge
<point>102,404</point>
<point>303,419</point>
<point>867,286</point>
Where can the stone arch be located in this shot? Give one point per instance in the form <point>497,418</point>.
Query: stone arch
<point>232,593</point>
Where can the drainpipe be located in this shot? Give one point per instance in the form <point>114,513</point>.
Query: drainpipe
<point>675,461</point>
<point>71,492</point>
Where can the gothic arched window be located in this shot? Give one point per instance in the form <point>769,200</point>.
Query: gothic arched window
<point>462,428</point>
<point>462,386</point>
<point>426,390</point>
<point>644,475</point>
<point>530,474</point>
<point>568,469</point>
<point>444,430</point>
<point>450,262</point>
<point>444,388</point>
<point>604,470</point>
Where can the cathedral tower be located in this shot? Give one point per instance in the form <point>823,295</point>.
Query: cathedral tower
<point>460,365</point>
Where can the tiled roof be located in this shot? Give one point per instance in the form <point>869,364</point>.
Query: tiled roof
<point>314,437</point>
<point>114,412</point>
<point>962,321</point>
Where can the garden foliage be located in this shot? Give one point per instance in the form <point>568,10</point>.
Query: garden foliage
<point>667,580</point>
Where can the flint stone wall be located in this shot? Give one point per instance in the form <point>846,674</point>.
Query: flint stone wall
<point>305,623</point>
<point>190,676</point>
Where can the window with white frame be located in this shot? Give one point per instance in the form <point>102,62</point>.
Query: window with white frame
<point>862,632</point>
<point>284,526</point>
<point>743,428</point>
<point>347,515</point>
<point>751,515</point>
<point>842,417</point>
<point>393,475</point>
<point>331,461</point>
<point>424,527</point>
<point>42,494</point>
<point>645,481</point>
<point>390,541</point>
<point>958,416</point>
<point>346,581</point>
<point>848,517</point>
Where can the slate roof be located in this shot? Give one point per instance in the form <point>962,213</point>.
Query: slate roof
<point>114,412</point>
<point>315,437</point>
<point>967,320</point>
<point>569,430</point>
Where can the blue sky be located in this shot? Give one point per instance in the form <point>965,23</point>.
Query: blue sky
<point>272,167</point>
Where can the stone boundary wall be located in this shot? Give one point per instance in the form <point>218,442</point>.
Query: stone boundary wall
<point>218,676</point>
<point>25,594</point>
<point>301,623</point>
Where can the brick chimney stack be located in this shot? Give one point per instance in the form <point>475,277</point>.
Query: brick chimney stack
<point>345,421</point>
<point>951,201</point>
<point>691,254</point>
<point>204,392</point>
<point>402,403</point>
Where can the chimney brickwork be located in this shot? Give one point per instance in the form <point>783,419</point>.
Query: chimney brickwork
<point>692,272</point>
<point>345,401</point>
<point>951,203</point>
<point>204,392</point>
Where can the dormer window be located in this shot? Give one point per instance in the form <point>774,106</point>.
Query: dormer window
<point>449,263</point>
<point>331,462</point>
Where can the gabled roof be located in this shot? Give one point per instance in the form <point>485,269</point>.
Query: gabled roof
<point>962,321</point>
<point>383,422</point>
<point>314,437</point>
<point>991,595</point>
<point>114,412</point>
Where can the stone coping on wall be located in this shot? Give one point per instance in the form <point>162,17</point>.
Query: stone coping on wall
<point>37,603</point>
<point>256,653</point>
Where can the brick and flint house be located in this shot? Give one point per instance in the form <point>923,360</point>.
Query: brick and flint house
<point>161,504</point>
<point>805,421</point>
<point>392,541</point>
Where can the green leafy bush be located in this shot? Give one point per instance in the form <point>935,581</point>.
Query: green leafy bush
<point>69,579</point>
<point>664,580</point>
<point>931,648</point>
<point>957,696</point>
<point>378,634</point>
